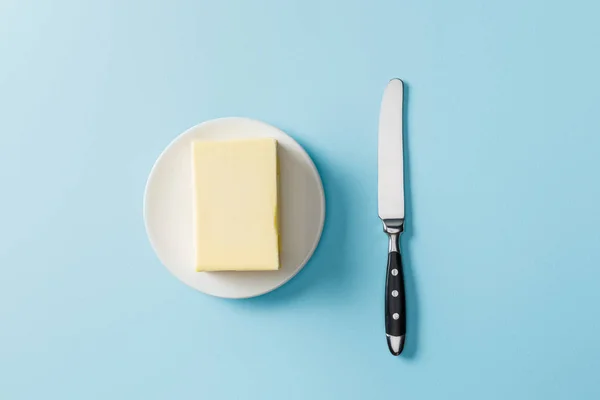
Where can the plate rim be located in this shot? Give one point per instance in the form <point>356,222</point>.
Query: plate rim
<point>310,162</point>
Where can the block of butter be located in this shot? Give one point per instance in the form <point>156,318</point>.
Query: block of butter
<point>235,205</point>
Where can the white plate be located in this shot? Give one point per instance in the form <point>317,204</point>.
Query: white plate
<point>168,210</point>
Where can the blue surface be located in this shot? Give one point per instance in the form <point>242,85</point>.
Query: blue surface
<point>502,241</point>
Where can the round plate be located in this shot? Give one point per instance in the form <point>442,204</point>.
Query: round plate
<point>168,210</point>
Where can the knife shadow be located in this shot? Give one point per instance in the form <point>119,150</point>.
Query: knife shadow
<point>411,290</point>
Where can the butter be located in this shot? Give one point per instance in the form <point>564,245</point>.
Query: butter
<point>235,205</point>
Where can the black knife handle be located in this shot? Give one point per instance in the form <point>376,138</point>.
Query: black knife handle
<point>395,303</point>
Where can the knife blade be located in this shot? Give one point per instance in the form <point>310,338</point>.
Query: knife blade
<point>390,184</point>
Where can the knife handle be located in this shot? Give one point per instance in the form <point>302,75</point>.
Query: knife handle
<point>395,303</point>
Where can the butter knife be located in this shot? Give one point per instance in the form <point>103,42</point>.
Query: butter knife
<point>391,209</point>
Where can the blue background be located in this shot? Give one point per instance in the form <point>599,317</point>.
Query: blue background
<point>502,241</point>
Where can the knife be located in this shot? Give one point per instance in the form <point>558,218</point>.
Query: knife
<point>391,209</point>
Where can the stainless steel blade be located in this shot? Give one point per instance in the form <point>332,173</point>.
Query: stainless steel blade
<point>390,156</point>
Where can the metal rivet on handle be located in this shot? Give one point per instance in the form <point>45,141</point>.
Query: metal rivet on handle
<point>394,272</point>
<point>396,316</point>
<point>394,293</point>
